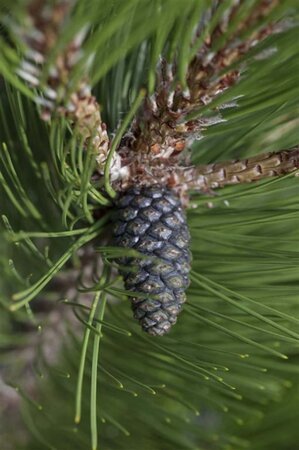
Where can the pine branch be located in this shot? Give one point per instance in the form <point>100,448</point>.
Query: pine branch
<point>162,127</point>
<point>245,171</point>
<point>154,151</point>
<point>60,96</point>
<point>203,178</point>
<point>156,147</point>
<point>211,176</point>
<point>236,308</point>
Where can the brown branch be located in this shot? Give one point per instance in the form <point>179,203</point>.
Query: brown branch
<point>221,174</point>
<point>204,178</point>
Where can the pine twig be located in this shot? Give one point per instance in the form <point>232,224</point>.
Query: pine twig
<point>221,174</point>
<point>203,178</point>
<point>163,127</point>
<point>154,151</point>
<point>60,96</point>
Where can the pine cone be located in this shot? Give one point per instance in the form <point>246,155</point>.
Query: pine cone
<point>152,221</point>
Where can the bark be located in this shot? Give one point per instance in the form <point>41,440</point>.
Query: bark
<point>204,178</point>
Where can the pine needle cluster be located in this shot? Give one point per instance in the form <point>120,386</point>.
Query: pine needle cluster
<point>97,96</point>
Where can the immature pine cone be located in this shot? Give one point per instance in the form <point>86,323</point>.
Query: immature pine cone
<point>152,221</point>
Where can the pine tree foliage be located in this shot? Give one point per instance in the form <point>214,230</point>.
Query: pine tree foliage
<point>226,377</point>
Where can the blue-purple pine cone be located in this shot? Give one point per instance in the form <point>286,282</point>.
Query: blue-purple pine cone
<point>152,221</point>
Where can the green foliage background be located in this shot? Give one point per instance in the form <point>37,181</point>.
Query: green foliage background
<point>226,377</point>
